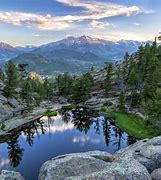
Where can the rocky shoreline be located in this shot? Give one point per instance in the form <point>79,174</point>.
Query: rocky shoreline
<point>140,161</point>
<point>20,120</point>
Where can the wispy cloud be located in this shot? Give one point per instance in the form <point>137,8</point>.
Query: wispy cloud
<point>100,25</point>
<point>33,20</point>
<point>136,24</point>
<point>36,35</point>
<point>97,10</point>
<point>93,12</point>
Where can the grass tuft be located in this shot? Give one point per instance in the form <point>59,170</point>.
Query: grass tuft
<point>50,113</point>
<point>133,125</point>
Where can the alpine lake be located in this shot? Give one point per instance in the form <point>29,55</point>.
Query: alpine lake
<point>26,148</point>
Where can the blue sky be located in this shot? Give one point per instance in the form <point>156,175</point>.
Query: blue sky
<point>37,22</point>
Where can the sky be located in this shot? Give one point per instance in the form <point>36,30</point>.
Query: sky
<point>35,22</point>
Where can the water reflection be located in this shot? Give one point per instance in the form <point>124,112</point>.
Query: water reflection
<point>80,127</point>
<point>15,152</point>
<point>4,162</point>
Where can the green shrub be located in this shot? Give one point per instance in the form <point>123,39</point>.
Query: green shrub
<point>2,126</point>
<point>103,110</point>
<point>69,107</point>
<point>50,113</point>
<point>107,103</point>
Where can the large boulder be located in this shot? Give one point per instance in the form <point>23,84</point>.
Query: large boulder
<point>62,100</point>
<point>13,102</point>
<point>74,165</point>
<point>3,99</point>
<point>93,103</point>
<point>10,175</point>
<point>156,174</point>
<point>139,161</point>
<point>93,165</point>
<point>147,152</point>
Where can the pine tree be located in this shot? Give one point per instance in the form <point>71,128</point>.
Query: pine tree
<point>1,75</point>
<point>82,88</point>
<point>122,101</point>
<point>48,89</point>
<point>64,84</point>
<point>108,80</point>
<point>11,79</point>
<point>26,93</point>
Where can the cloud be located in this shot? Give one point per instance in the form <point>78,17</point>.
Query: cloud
<point>126,35</point>
<point>100,25</point>
<point>92,11</point>
<point>98,10</point>
<point>4,162</point>
<point>33,20</point>
<point>137,24</point>
<point>84,139</point>
<point>36,35</point>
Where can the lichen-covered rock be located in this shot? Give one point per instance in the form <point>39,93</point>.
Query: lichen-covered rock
<point>147,152</point>
<point>93,165</point>
<point>74,165</point>
<point>62,100</point>
<point>156,174</point>
<point>13,103</point>
<point>135,162</point>
<point>3,99</point>
<point>10,175</point>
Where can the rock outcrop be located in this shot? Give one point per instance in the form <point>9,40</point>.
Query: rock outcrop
<point>10,175</point>
<point>9,108</point>
<point>140,161</point>
<point>156,174</point>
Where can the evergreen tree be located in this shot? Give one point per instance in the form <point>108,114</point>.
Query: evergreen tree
<point>82,88</point>
<point>11,79</point>
<point>64,84</point>
<point>1,75</point>
<point>48,89</point>
<point>26,93</point>
<point>122,101</point>
<point>108,80</point>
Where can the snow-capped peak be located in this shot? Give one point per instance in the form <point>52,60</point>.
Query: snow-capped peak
<point>5,46</point>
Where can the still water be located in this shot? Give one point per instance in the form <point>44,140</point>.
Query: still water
<point>79,130</point>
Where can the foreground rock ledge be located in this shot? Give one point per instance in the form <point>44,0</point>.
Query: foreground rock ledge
<point>140,161</point>
<point>10,175</point>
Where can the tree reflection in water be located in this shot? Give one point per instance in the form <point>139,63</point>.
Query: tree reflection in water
<point>106,130</point>
<point>118,133</point>
<point>15,152</point>
<point>32,129</point>
<point>131,140</point>
<point>82,119</point>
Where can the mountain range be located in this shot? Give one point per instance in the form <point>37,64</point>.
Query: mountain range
<point>71,54</point>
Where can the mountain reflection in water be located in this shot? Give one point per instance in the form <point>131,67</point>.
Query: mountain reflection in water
<point>79,130</point>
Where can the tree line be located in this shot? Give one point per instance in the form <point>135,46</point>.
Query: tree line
<point>32,91</point>
<point>139,79</point>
